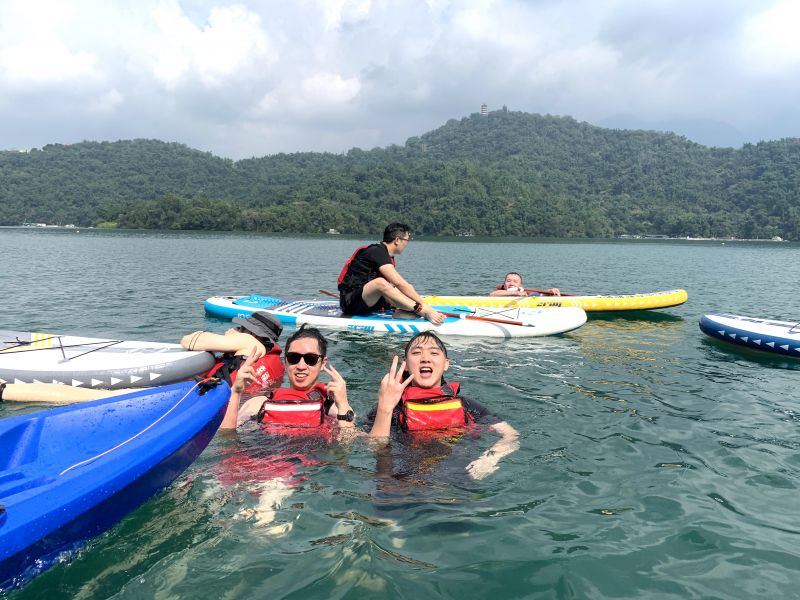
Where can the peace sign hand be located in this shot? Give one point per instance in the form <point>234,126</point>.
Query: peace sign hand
<point>392,386</point>
<point>245,375</point>
<point>337,387</point>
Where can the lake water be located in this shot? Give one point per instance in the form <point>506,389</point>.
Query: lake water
<point>654,462</point>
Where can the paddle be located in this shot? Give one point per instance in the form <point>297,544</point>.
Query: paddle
<point>544,292</point>
<point>461,315</point>
<point>489,319</point>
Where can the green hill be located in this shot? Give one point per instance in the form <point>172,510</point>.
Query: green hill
<point>507,173</point>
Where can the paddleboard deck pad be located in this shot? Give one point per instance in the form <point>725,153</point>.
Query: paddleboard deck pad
<point>27,357</point>
<point>779,337</point>
<point>620,302</point>
<point>480,322</point>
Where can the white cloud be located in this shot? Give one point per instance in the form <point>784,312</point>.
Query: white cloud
<point>107,102</point>
<point>234,76</point>
<point>311,97</point>
<point>230,44</point>
<point>33,51</point>
<point>336,13</point>
<point>771,38</point>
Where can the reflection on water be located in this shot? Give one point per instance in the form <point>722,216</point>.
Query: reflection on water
<point>723,352</point>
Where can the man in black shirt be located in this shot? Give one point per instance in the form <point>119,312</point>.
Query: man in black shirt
<point>370,282</point>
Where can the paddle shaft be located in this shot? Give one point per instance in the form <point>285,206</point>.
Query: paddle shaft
<point>456,315</point>
<point>544,292</point>
<point>489,319</point>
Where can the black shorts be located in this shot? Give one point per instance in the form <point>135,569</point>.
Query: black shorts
<point>352,303</point>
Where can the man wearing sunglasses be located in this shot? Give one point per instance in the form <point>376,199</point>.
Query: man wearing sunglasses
<point>306,405</point>
<point>370,282</point>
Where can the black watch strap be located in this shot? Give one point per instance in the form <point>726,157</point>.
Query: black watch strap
<point>348,416</point>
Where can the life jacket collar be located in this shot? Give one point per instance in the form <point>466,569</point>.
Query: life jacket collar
<point>294,408</point>
<point>432,408</point>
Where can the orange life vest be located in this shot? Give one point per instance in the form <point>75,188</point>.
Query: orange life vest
<point>294,408</point>
<point>432,408</point>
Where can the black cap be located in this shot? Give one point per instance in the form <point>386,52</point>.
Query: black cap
<point>261,324</point>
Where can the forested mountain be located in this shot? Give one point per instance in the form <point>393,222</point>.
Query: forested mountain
<point>506,173</point>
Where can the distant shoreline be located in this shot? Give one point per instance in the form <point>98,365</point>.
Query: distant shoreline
<point>699,239</point>
<point>625,236</point>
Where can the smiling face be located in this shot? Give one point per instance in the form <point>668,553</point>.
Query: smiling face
<point>513,280</point>
<point>426,362</point>
<point>302,376</point>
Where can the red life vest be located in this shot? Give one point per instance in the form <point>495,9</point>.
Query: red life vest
<point>434,408</point>
<point>294,408</point>
<point>269,371</point>
<point>346,266</point>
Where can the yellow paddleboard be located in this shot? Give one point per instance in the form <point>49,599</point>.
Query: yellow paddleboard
<point>587,303</point>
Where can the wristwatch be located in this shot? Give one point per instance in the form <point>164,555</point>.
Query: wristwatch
<point>348,416</point>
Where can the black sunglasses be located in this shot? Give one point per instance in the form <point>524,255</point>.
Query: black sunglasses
<point>310,357</point>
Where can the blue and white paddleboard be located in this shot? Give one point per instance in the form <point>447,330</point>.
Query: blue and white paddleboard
<point>481,322</point>
<point>780,337</point>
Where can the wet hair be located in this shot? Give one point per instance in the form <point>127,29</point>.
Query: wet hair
<point>423,336</point>
<point>311,333</point>
<point>514,273</point>
<point>395,230</point>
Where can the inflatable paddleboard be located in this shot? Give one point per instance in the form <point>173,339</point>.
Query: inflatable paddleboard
<point>481,322</point>
<point>780,337</point>
<point>69,473</point>
<point>588,303</point>
<point>95,363</point>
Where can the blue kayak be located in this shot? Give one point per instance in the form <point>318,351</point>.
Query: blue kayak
<point>69,473</point>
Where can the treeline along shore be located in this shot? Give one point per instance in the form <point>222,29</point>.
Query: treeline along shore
<point>501,174</point>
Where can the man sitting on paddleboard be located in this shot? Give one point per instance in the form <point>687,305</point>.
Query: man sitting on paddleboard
<point>512,286</point>
<point>415,398</point>
<point>369,280</point>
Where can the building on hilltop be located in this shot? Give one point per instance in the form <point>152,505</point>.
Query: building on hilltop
<point>484,110</point>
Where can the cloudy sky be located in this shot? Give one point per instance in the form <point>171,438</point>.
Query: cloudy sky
<point>252,78</point>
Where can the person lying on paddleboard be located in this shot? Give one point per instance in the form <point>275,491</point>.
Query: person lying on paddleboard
<point>369,280</point>
<point>306,403</point>
<point>415,398</point>
<point>257,333</point>
<point>512,286</point>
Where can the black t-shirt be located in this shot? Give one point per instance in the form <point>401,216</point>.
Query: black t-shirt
<point>365,267</point>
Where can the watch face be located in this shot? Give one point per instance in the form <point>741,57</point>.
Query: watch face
<point>348,416</point>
